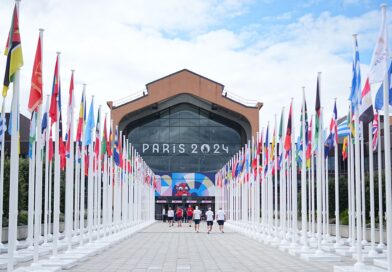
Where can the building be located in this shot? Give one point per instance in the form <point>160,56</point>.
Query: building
<point>186,127</point>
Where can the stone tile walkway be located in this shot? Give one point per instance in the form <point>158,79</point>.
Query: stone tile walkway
<point>163,248</point>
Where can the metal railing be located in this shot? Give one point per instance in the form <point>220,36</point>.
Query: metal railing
<point>130,98</point>
<point>239,99</point>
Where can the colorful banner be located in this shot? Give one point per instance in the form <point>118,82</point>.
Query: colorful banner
<point>185,184</point>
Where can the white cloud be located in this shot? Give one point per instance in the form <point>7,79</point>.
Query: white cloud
<point>116,48</point>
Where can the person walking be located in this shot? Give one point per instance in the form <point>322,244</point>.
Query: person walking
<point>210,219</point>
<point>189,215</point>
<point>220,218</point>
<point>196,218</point>
<point>164,215</point>
<point>170,216</point>
<point>179,215</point>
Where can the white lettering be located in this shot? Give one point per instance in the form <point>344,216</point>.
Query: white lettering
<point>155,148</point>
<point>165,148</point>
<point>174,148</point>
<point>194,148</point>
<point>145,147</point>
<point>181,148</point>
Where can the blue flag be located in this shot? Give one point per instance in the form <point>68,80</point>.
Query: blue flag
<point>379,101</point>
<point>90,123</point>
<point>356,80</point>
<point>116,155</point>
<point>328,145</point>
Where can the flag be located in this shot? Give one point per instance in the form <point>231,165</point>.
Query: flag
<point>50,146</point>
<point>343,128</point>
<point>317,117</point>
<point>287,142</point>
<point>90,123</point>
<point>344,149</point>
<point>55,94</point>
<point>375,131</point>
<point>104,144</point>
<point>309,147</point>
<point>13,51</point>
<point>333,127</point>
<point>97,134</point>
<point>378,64</point>
<point>61,144</point>
<point>366,107</point>
<point>69,117</point>
<point>35,98</point>
<point>379,100</point>
<point>328,144</point>
<point>3,126</point>
<point>81,118</point>
<point>356,80</point>
<point>32,135</point>
<point>110,143</point>
<point>116,155</point>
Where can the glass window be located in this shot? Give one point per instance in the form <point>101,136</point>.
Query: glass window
<point>185,138</point>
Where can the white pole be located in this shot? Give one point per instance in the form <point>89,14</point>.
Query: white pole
<point>56,186</point>
<point>318,181</point>
<point>47,173</point>
<point>294,189</point>
<point>90,185</point>
<point>14,172</point>
<point>82,176</point>
<point>69,184</point>
<point>303,177</point>
<point>372,251</point>
<point>38,190</point>
<point>31,195</point>
<point>362,140</point>
<point>99,176</point>
<point>381,244</point>
<point>337,212</point>
<point>2,171</point>
<point>387,151</point>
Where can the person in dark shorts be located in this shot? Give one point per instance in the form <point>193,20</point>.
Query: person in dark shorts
<point>220,218</point>
<point>196,218</point>
<point>170,216</point>
<point>189,215</point>
<point>179,215</point>
<point>210,219</point>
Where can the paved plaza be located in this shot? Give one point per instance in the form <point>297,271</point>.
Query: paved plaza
<point>163,248</point>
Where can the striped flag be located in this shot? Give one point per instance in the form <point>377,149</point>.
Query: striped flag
<point>356,80</point>
<point>13,51</point>
<point>366,114</point>
<point>287,141</point>
<point>333,127</point>
<point>375,130</point>
<point>344,149</point>
<point>69,117</point>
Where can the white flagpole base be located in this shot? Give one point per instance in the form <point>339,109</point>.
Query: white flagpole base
<point>321,257</point>
<point>364,268</point>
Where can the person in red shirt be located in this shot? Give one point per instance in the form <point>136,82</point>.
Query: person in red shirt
<point>179,215</point>
<point>189,214</point>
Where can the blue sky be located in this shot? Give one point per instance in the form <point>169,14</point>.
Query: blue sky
<point>261,50</point>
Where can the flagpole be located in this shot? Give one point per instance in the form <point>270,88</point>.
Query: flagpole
<point>82,174</point>
<point>14,171</point>
<point>294,189</point>
<point>3,118</point>
<point>372,251</point>
<point>99,174</point>
<point>303,177</point>
<point>46,192</point>
<point>359,263</point>
<point>90,180</point>
<point>337,212</point>
<point>362,157</point>
<point>387,150</point>
<point>31,194</point>
<point>69,184</point>
<point>381,244</point>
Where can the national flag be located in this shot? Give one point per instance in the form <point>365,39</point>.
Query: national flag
<point>287,142</point>
<point>309,146</point>
<point>35,98</point>
<point>90,124</point>
<point>61,144</point>
<point>69,116</point>
<point>104,144</point>
<point>379,100</point>
<point>110,143</point>
<point>13,51</point>
<point>366,114</point>
<point>328,144</point>
<point>375,131</point>
<point>333,127</point>
<point>343,128</point>
<point>344,149</point>
<point>56,96</point>
<point>355,94</point>
<point>317,117</point>
<point>379,62</point>
<point>3,125</point>
<point>273,143</point>
<point>32,135</point>
<point>97,135</point>
<point>81,118</point>
<point>50,145</point>
<point>116,155</point>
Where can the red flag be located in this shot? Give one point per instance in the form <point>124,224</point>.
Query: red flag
<point>55,92</point>
<point>287,141</point>
<point>70,104</point>
<point>35,98</point>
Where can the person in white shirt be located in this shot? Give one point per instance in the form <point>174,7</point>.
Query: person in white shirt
<point>196,218</point>
<point>170,216</point>
<point>210,219</point>
<point>220,218</point>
